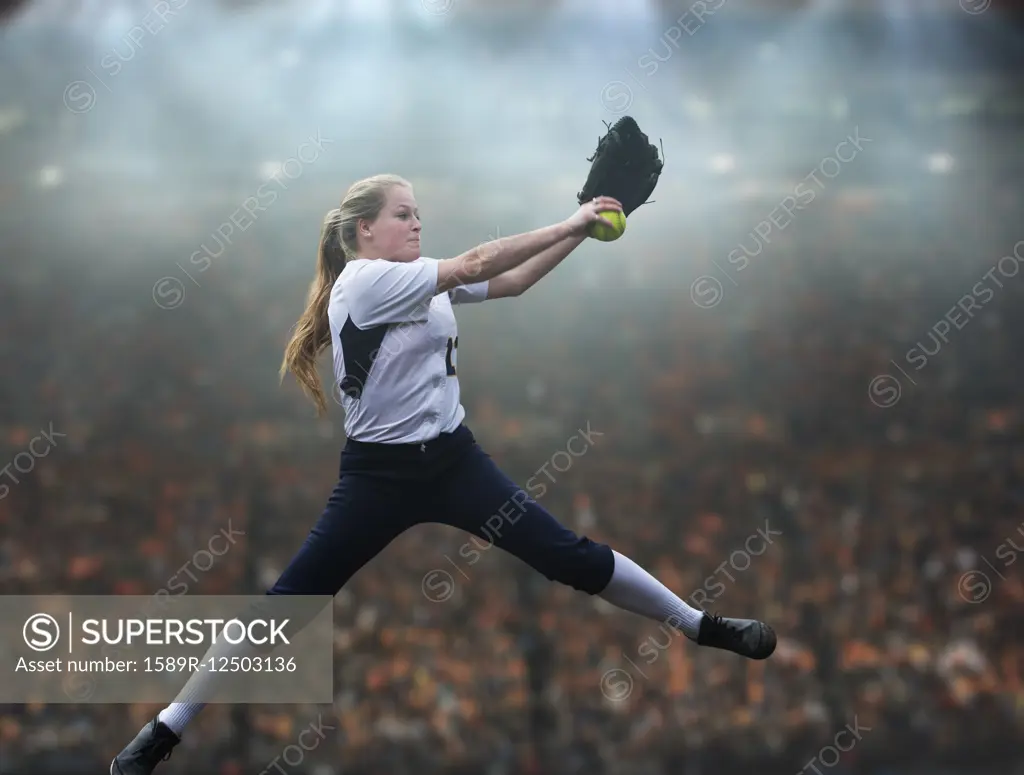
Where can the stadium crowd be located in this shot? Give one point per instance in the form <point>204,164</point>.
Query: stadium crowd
<point>741,451</point>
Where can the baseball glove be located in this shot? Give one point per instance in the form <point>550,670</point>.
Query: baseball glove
<point>625,166</point>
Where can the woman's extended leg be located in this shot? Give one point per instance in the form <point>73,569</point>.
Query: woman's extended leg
<point>362,516</point>
<point>476,496</point>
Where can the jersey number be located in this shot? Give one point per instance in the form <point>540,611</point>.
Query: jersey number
<point>452,356</point>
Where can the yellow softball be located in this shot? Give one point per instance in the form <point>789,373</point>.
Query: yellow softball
<point>600,231</point>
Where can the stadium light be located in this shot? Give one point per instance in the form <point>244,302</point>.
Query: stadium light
<point>51,176</point>
<point>940,163</point>
<point>722,163</point>
<point>269,168</point>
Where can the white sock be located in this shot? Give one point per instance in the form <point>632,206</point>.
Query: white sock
<point>178,714</point>
<point>201,686</point>
<point>635,590</point>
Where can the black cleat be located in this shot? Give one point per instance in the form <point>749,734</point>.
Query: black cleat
<point>151,746</point>
<point>746,637</point>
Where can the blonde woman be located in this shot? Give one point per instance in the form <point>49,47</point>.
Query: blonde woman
<point>386,312</point>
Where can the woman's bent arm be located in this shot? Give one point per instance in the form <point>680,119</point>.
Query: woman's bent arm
<point>491,259</point>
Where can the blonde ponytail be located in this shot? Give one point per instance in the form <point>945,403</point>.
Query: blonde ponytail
<point>312,333</point>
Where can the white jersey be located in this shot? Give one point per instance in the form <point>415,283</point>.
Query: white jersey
<point>395,350</point>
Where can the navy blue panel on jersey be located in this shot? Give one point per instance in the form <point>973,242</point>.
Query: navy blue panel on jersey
<point>384,489</point>
<point>359,348</point>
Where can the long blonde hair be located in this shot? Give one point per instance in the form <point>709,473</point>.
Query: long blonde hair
<point>312,333</point>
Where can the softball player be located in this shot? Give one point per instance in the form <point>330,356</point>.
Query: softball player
<point>387,313</point>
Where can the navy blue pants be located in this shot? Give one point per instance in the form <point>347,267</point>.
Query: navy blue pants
<point>384,489</point>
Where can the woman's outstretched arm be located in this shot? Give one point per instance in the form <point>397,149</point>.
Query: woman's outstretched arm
<point>517,281</point>
<point>491,259</point>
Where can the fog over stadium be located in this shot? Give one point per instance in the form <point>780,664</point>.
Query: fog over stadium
<point>794,379</point>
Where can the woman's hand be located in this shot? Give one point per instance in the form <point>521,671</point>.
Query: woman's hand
<point>588,214</point>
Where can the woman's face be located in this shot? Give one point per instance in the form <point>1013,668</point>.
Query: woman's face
<point>395,233</point>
